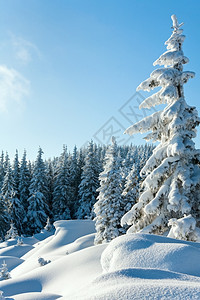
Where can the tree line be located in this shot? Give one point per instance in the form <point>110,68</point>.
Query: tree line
<point>64,187</point>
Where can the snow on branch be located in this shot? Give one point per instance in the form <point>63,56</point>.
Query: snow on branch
<point>144,125</point>
<point>171,58</point>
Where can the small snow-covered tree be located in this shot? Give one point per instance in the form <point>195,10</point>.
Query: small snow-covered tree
<point>12,233</point>
<point>48,225</point>
<point>110,207</point>
<point>4,273</point>
<point>20,241</point>
<point>172,173</point>
<point>1,296</point>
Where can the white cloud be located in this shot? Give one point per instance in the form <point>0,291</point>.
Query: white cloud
<point>24,50</point>
<point>13,89</point>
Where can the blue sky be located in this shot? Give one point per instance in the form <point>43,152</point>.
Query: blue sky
<point>69,68</point>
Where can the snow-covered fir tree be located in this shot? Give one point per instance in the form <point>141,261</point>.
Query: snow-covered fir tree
<point>50,183</point>
<point>8,184</point>
<point>110,206</point>
<point>39,177</point>
<point>14,206</point>
<point>4,273</point>
<point>12,233</point>
<point>62,189</point>
<point>74,181</point>
<point>87,193</point>
<point>172,174</point>
<point>80,164</point>
<point>6,162</point>
<point>24,182</point>
<point>2,171</point>
<point>16,211</point>
<point>130,192</point>
<point>36,214</point>
<point>2,296</point>
<point>37,207</point>
<point>16,173</point>
<point>48,225</point>
<point>4,217</point>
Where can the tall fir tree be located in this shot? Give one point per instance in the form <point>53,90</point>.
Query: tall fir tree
<point>37,207</point>
<point>2,170</point>
<point>50,184</point>
<point>4,217</point>
<point>24,182</point>
<point>87,193</point>
<point>14,207</point>
<point>62,189</point>
<point>8,184</point>
<point>74,181</point>
<point>172,175</point>
<point>110,206</point>
<point>16,173</point>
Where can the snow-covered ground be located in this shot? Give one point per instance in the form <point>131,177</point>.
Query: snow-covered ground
<point>133,266</point>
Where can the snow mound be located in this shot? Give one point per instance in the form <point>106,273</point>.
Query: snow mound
<point>56,246</point>
<point>140,284</point>
<point>81,243</point>
<point>15,250</point>
<point>26,240</point>
<point>61,277</point>
<point>151,252</point>
<point>11,261</point>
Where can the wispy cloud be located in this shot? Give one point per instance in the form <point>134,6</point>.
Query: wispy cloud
<point>24,49</point>
<point>13,89</point>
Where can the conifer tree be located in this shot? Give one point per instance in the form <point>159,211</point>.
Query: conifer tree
<point>130,192</point>
<point>37,208</point>
<point>74,181</point>
<point>2,171</point>
<point>16,211</point>
<point>50,183</point>
<point>110,206</point>
<point>12,233</point>
<point>4,217</point>
<point>89,183</point>
<point>16,173</point>
<point>62,190</point>
<point>172,174</point>
<point>4,273</point>
<point>14,207</point>
<point>36,214</point>
<point>8,185</point>
<point>24,182</point>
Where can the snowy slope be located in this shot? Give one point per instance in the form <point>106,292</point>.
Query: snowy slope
<point>134,266</point>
